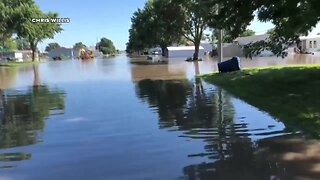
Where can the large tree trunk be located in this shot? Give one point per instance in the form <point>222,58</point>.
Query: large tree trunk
<point>36,79</point>
<point>220,46</point>
<point>33,54</point>
<point>196,68</point>
<point>163,50</point>
<point>33,47</point>
<point>1,104</point>
<point>196,51</point>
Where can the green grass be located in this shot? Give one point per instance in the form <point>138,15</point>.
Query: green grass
<point>288,93</point>
<point>17,64</point>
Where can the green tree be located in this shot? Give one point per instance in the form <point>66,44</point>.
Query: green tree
<point>247,32</point>
<point>9,44</point>
<point>159,23</point>
<point>139,33</point>
<point>4,30</point>
<point>35,32</point>
<point>79,45</point>
<point>270,31</point>
<point>289,18</point>
<point>8,17</point>
<point>51,46</point>
<point>195,22</point>
<point>22,44</point>
<point>167,20</point>
<point>106,46</point>
<point>232,16</point>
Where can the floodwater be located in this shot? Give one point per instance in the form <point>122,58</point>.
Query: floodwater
<point>129,118</point>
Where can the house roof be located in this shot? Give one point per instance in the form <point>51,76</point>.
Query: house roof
<point>61,48</point>
<point>190,43</point>
<point>249,39</point>
<point>205,42</point>
<point>309,37</point>
<point>64,49</point>
<point>180,48</point>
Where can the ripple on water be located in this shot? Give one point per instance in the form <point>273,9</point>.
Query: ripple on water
<point>145,126</point>
<point>7,159</point>
<point>18,156</point>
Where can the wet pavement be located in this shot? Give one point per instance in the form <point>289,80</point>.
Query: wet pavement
<point>131,118</point>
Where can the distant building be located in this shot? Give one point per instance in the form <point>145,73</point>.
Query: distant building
<point>12,55</point>
<point>242,41</point>
<point>17,55</point>
<point>250,39</point>
<point>236,48</point>
<point>207,46</point>
<point>27,55</point>
<point>64,53</point>
<point>96,52</point>
<point>309,43</point>
<point>182,51</point>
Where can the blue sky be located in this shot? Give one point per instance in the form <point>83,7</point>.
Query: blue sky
<point>93,19</point>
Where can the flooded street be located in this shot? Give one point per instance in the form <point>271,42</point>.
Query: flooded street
<point>130,118</point>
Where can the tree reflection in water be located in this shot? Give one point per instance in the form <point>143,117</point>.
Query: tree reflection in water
<point>22,113</point>
<point>207,114</point>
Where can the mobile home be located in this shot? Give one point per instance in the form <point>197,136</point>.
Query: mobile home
<point>182,51</point>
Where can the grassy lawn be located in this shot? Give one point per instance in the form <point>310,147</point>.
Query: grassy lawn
<point>288,93</point>
<point>16,64</point>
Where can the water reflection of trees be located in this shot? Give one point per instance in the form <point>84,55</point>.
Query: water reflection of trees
<point>185,104</point>
<point>22,114</point>
<point>206,114</point>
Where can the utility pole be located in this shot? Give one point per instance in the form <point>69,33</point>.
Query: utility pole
<point>220,45</point>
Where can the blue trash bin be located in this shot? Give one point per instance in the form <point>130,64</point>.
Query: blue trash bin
<point>229,65</point>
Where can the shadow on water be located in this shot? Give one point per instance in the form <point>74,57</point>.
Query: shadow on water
<point>201,112</point>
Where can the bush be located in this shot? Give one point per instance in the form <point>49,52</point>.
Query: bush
<point>106,46</point>
<point>107,50</point>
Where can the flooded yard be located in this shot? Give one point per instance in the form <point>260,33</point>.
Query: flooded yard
<point>129,118</point>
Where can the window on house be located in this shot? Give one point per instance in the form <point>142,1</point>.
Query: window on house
<point>310,44</point>
<point>314,44</point>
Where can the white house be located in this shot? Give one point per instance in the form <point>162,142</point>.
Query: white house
<point>12,55</point>
<point>182,51</point>
<point>62,52</point>
<point>207,45</point>
<point>310,43</point>
<point>251,39</point>
<point>242,41</point>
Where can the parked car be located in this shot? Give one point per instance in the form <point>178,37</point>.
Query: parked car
<point>156,53</point>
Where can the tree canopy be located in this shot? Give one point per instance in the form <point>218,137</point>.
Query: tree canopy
<point>195,22</point>
<point>157,24</point>
<point>9,16</point>
<point>51,46</point>
<point>165,22</point>
<point>22,43</point>
<point>289,18</point>
<point>233,16</point>
<point>106,46</point>
<point>16,18</point>
<point>79,45</point>
<point>9,44</point>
